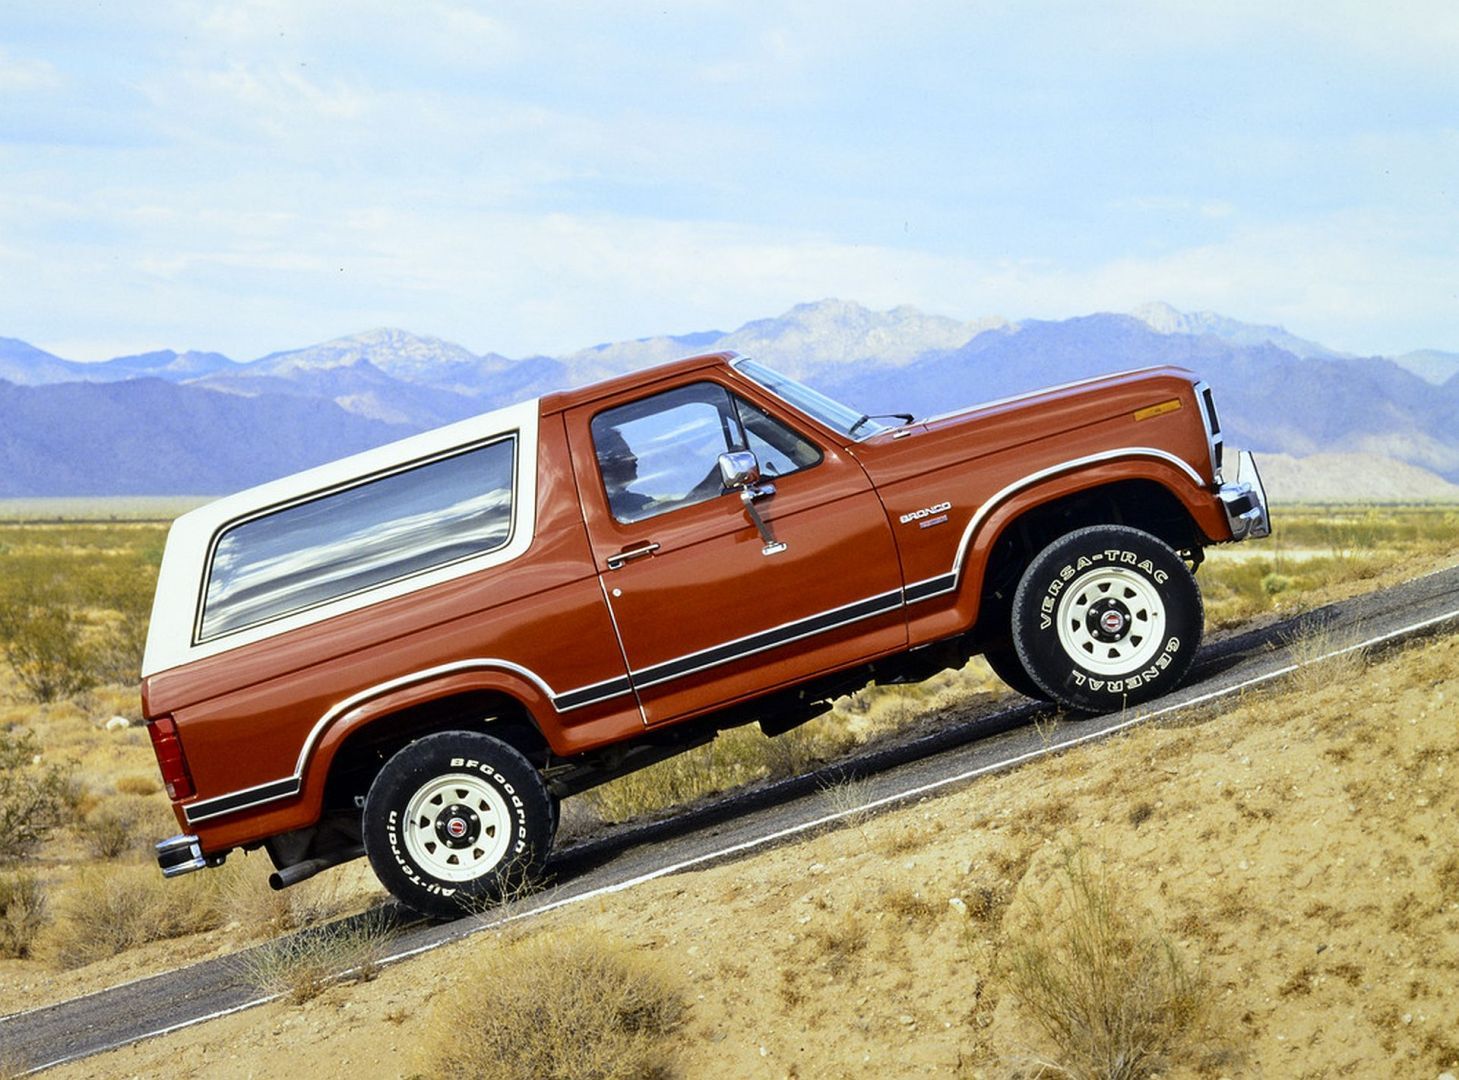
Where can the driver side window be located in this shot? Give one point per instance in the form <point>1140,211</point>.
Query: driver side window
<point>662,453</point>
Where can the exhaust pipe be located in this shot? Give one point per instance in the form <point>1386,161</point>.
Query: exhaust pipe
<point>303,871</point>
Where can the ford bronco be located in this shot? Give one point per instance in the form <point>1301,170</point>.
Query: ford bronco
<point>415,653</point>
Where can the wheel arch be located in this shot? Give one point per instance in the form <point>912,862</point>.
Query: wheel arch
<point>356,742</point>
<point>1013,527</point>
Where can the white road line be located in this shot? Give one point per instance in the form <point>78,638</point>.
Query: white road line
<point>806,826</point>
<point>923,789</point>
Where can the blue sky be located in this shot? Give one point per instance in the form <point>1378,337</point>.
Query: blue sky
<point>538,177</point>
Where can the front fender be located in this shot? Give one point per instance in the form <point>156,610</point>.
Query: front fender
<point>1005,507</point>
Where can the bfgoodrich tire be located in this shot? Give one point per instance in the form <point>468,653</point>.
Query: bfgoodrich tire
<point>455,820</point>
<point>1107,617</point>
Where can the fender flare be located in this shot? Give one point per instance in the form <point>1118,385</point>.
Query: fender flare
<point>1007,505</point>
<point>330,731</point>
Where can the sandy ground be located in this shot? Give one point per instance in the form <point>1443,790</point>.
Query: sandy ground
<point>1297,850</point>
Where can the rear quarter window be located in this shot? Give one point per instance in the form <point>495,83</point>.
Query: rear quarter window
<point>371,533</point>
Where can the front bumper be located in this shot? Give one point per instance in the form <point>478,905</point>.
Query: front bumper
<point>1244,500</point>
<point>180,855</point>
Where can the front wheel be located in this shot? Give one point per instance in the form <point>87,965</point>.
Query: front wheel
<point>455,820</point>
<point>1107,617</point>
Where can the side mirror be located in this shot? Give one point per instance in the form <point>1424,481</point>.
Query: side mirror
<point>739,470</point>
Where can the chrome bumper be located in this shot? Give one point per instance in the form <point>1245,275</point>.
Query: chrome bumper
<point>180,855</point>
<point>1244,500</point>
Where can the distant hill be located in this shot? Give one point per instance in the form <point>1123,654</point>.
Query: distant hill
<point>1431,365</point>
<point>168,422</point>
<point>151,437</point>
<point>1351,478</point>
<point>1164,319</point>
<point>1269,399</point>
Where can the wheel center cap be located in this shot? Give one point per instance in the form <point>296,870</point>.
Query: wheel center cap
<point>1108,620</point>
<point>458,826</point>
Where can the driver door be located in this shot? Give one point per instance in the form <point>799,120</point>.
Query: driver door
<point>707,611</point>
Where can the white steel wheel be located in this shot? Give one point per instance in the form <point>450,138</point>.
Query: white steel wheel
<point>1112,621</point>
<point>456,820</point>
<point>1106,617</point>
<point>457,827</point>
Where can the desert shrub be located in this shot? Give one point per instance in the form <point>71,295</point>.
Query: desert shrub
<point>108,910</point>
<point>45,646</point>
<point>137,785</point>
<point>34,797</point>
<point>22,914</point>
<point>1110,994</point>
<point>1325,657</point>
<point>127,593</point>
<point>303,965</point>
<point>125,823</point>
<point>558,1006</point>
<point>262,911</point>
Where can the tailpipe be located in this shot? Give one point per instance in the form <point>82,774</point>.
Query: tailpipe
<point>303,871</point>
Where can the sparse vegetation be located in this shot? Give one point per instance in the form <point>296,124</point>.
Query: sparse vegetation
<point>304,964</point>
<point>109,909</point>
<point>74,604</point>
<point>1317,548</point>
<point>566,1006</point>
<point>22,914</point>
<point>1325,657</point>
<point>34,795</point>
<point>1109,992</point>
<point>1317,556</point>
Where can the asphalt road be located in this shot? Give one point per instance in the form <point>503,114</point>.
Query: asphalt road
<point>961,746</point>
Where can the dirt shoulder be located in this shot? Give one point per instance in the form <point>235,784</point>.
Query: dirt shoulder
<point>1297,850</point>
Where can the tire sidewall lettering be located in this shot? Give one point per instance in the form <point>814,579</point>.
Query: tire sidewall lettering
<point>489,761</point>
<point>1056,574</point>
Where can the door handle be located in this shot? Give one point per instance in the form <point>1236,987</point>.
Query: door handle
<point>616,562</point>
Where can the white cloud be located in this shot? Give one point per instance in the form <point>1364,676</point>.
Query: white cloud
<point>25,75</point>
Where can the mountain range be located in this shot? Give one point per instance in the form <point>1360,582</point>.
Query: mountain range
<point>201,423</point>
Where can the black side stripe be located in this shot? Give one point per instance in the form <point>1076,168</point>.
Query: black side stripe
<point>925,590</point>
<point>226,804</point>
<point>768,639</point>
<point>652,676</point>
<point>589,695</point>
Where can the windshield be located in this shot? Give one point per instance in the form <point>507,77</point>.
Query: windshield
<point>833,414</point>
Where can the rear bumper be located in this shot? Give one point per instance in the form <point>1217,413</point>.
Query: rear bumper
<point>180,855</point>
<point>1244,500</point>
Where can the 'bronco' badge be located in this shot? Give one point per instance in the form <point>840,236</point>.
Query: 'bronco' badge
<point>926,511</point>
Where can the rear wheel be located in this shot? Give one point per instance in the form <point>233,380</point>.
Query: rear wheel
<point>1107,617</point>
<point>455,820</point>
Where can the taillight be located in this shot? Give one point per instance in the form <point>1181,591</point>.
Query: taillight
<point>168,748</point>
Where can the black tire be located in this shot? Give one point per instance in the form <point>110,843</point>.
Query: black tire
<point>1003,659</point>
<point>1107,617</point>
<point>456,820</point>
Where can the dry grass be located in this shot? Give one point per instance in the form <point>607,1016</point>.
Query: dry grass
<point>22,914</point>
<point>260,911</point>
<point>125,824</point>
<point>1326,657</point>
<point>108,909</point>
<point>565,1006</point>
<point>137,785</point>
<point>1110,994</point>
<point>1319,549</point>
<point>303,965</point>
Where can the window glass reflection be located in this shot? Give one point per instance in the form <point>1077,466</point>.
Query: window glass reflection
<point>359,538</point>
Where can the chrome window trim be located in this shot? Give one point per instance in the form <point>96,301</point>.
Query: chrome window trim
<point>227,527</point>
<point>180,578</point>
